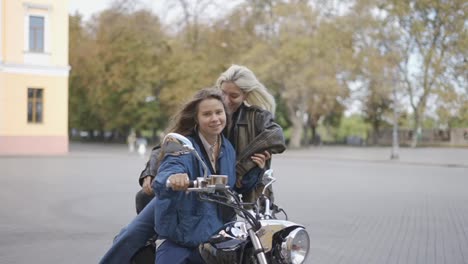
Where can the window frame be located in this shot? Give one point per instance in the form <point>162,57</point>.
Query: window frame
<point>36,117</point>
<point>36,45</point>
<point>37,10</point>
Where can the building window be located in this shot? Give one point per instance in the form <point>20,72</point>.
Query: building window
<point>36,33</point>
<point>35,105</point>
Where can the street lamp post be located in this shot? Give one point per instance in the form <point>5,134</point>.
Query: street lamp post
<point>395,144</point>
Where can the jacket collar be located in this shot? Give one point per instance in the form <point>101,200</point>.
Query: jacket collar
<point>204,154</point>
<point>239,115</point>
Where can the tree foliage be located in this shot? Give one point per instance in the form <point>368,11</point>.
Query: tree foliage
<point>432,33</point>
<point>130,70</point>
<point>117,68</point>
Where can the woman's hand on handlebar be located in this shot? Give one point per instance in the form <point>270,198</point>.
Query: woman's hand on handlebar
<point>179,181</point>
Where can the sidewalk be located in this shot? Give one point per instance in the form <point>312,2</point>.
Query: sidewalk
<point>450,157</point>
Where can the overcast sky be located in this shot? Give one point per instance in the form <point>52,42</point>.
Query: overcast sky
<point>87,7</point>
<point>159,7</point>
<point>90,7</point>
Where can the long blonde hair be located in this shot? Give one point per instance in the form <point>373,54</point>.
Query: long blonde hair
<point>245,79</point>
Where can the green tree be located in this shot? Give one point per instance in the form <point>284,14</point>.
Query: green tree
<point>432,37</point>
<point>353,125</point>
<point>293,52</point>
<point>119,70</point>
<point>83,73</point>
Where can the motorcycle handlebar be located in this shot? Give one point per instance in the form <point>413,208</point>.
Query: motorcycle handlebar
<point>200,185</point>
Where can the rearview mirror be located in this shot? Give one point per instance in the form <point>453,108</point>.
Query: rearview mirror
<point>175,145</point>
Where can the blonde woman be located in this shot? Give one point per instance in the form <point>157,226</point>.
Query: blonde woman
<point>252,131</point>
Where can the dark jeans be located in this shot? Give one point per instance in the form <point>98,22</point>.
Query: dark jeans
<point>133,237</point>
<point>141,200</point>
<point>171,253</point>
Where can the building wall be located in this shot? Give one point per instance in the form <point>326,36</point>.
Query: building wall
<point>55,108</point>
<point>455,137</point>
<point>459,137</point>
<point>1,33</point>
<point>21,69</point>
<point>56,16</point>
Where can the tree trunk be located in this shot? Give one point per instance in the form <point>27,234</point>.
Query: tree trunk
<point>375,134</point>
<point>297,130</point>
<point>305,133</point>
<point>416,126</point>
<point>314,138</point>
<point>297,125</point>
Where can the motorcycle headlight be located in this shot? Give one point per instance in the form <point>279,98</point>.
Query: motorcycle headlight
<point>295,246</point>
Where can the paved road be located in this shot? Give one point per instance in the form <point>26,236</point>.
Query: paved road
<point>358,206</point>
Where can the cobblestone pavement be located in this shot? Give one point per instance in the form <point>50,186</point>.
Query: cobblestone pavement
<point>357,204</point>
<point>361,207</point>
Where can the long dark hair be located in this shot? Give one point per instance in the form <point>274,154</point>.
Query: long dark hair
<point>185,120</point>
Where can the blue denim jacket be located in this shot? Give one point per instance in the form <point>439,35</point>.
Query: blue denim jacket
<point>179,216</point>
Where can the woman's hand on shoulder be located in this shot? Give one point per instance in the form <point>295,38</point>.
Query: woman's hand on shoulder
<point>261,158</point>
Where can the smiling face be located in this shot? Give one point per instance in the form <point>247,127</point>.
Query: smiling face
<point>233,96</point>
<point>211,118</point>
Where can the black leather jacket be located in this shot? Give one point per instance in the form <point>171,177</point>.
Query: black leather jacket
<point>151,168</point>
<point>252,130</point>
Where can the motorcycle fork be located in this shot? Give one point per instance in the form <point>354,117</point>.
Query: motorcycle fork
<point>258,248</point>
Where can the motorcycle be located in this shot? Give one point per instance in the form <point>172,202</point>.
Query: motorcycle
<point>256,235</point>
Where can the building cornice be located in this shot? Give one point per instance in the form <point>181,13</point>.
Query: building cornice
<point>56,71</point>
<point>37,6</point>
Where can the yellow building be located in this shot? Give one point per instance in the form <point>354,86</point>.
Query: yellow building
<point>33,77</point>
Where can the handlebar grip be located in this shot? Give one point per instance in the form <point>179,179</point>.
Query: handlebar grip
<point>168,184</point>
<point>191,184</point>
